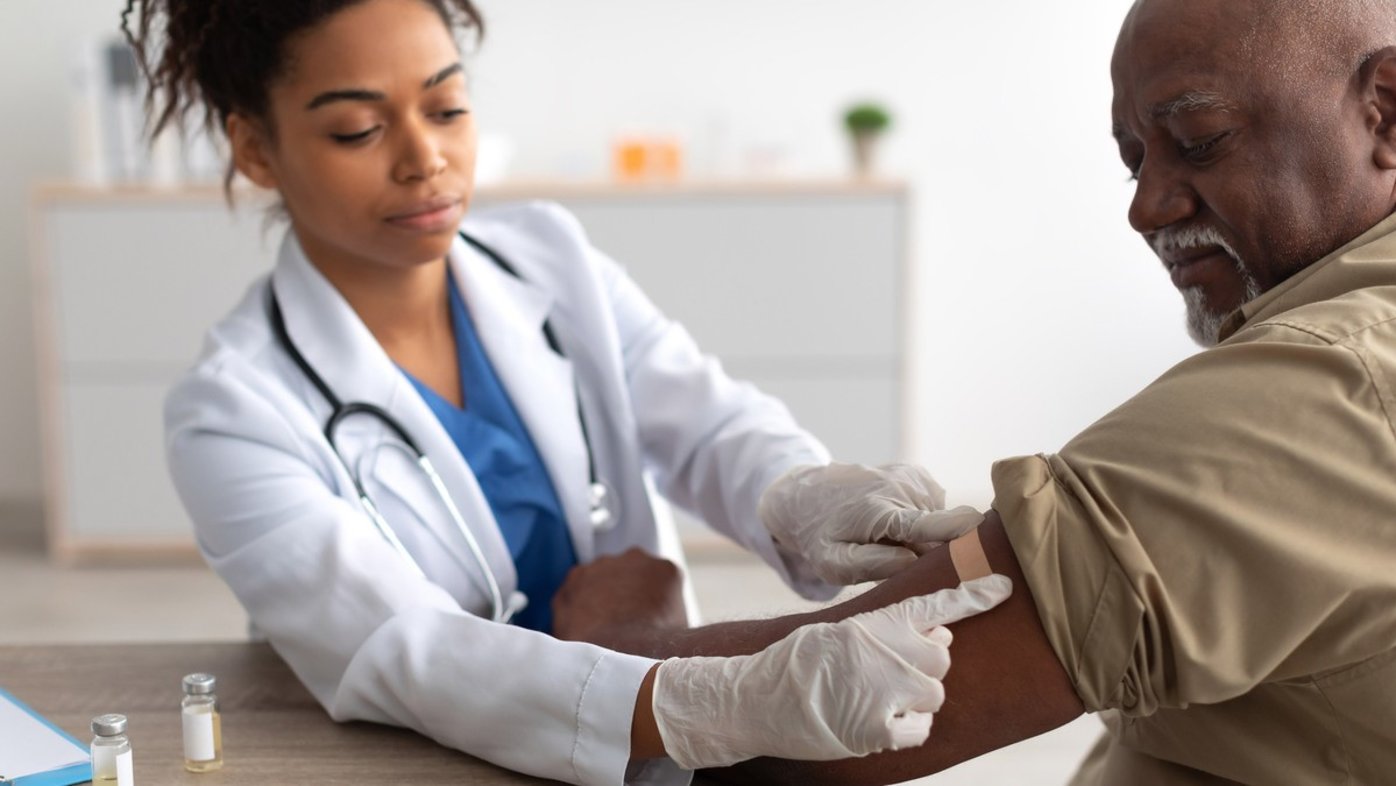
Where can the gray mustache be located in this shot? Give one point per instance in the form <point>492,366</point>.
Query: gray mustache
<point>1189,237</point>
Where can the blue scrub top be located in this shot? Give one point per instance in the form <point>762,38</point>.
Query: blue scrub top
<point>495,444</point>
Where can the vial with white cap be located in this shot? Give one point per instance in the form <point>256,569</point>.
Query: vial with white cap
<point>203,726</point>
<point>111,751</point>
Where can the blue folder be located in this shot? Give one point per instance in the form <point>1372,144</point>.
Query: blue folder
<point>65,776</point>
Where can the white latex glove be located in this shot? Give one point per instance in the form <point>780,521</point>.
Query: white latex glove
<point>827,691</point>
<point>844,518</point>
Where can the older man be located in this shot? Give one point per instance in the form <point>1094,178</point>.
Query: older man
<point>1212,566</point>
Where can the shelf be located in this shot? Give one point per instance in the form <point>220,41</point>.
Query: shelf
<point>59,191</point>
<point>127,280</point>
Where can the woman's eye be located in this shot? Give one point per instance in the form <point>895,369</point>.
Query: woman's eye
<point>349,139</point>
<point>452,114</point>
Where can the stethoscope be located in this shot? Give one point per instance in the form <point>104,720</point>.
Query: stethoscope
<point>602,515</point>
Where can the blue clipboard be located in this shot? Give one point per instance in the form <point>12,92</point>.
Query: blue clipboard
<point>65,776</point>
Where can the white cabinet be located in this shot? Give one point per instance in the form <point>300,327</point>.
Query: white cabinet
<point>126,284</point>
<point>797,287</point>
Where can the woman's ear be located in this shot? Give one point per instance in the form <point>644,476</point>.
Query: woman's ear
<point>1380,70</point>
<point>251,150</point>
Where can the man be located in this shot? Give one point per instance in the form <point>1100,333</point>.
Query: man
<point>1212,566</point>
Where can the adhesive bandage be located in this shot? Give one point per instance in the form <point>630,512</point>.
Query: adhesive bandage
<point>967,555</point>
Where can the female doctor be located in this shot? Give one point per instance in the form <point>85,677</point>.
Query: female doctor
<point>402,440</point>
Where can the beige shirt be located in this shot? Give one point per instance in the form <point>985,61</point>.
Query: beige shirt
<point>1215,561</point>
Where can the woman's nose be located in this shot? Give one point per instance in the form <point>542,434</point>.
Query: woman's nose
<point>420,156</point>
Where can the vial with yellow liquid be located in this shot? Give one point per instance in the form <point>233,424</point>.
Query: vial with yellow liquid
<point>111,751</point>
<point>203,725</point>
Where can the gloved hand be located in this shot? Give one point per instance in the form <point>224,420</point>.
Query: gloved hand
<point>827,691</point>
<point>855,523</point>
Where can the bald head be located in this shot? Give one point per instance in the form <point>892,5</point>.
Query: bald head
<point>1332,36</point>
<point>1282,39</point>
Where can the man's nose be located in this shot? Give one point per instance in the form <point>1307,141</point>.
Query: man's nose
<point>1161,198</point>
<point>420,156</point>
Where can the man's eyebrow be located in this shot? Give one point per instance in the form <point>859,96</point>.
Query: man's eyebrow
<point>359,94</point>
<point>1191,101</point>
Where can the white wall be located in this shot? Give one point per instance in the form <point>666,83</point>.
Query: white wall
<point>1039,308</point>
<point>37,39</point>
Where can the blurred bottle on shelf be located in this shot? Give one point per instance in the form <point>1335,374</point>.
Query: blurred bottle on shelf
<point>125,135</point>
<point>89,150</point>
<point>108,124</point>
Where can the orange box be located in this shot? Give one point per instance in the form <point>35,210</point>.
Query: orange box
<point>630,159</point>
<point>642,159</point>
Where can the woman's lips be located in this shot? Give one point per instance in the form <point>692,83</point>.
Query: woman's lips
<point>431,217</point>
<point>1198,270</point>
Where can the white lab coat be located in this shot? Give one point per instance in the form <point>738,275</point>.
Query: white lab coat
<point>277,517</point>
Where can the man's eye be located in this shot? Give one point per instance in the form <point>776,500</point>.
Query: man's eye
<point>1204,147</point>
<point>349,139</point>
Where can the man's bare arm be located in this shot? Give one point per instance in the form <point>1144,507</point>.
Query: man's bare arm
<point>1005,684</point>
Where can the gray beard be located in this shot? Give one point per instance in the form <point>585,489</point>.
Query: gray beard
<point>1204,326</point>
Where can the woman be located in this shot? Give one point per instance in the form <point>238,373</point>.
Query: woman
<point>535,379</point>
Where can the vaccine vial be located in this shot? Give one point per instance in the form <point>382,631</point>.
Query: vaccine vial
<point>111,751</point>
<point>203,725</point>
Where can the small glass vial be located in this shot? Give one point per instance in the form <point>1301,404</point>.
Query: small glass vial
<point>111,751</point>
<point>203,724</point>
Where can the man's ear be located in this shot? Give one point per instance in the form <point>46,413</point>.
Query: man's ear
<point>1379,85</point>
<point>250,145</point>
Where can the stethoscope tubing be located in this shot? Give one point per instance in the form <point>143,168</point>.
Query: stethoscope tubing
<point>601,514</point>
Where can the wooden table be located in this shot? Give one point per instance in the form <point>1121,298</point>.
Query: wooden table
<point>273,730</point>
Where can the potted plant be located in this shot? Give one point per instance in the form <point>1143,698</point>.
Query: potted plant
<point>865,124</point>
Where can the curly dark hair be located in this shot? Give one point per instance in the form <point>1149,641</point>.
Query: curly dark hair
<point>222,55</point>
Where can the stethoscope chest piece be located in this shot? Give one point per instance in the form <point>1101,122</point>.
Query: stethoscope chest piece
<point>603,502</point>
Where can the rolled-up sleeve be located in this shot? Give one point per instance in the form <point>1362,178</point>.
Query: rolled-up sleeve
<point>1227,527</point>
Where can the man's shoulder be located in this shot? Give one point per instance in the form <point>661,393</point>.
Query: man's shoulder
<point>1308,358</point>
<point>1363,318</point>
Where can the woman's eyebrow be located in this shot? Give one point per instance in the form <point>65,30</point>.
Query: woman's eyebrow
<point>360,94</point>
<point>330,96</point>
<point>443,75</point>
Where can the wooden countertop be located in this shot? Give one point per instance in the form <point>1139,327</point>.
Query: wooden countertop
<point>273,730</point>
